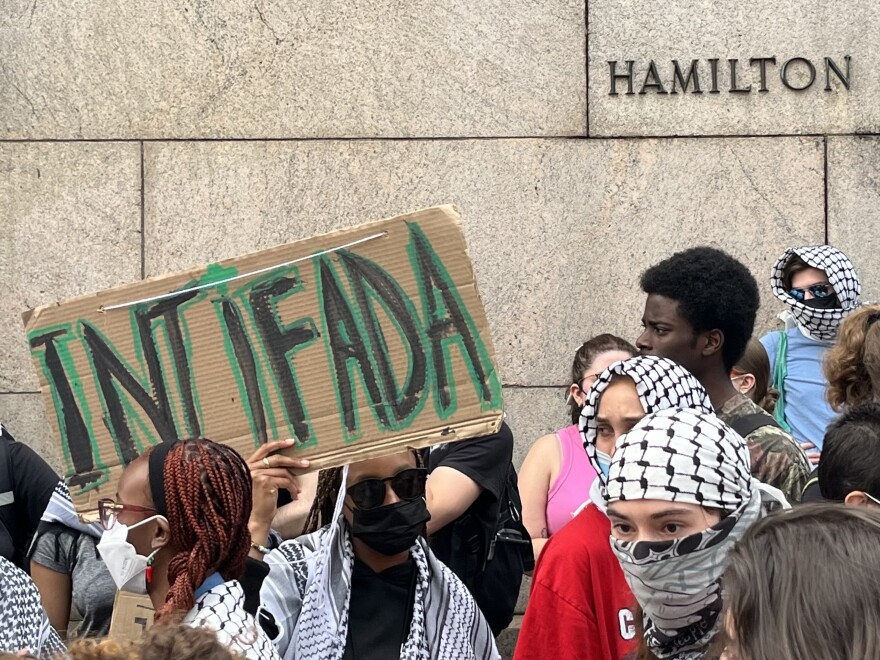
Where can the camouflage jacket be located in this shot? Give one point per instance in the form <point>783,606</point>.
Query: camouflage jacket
<point>777,459</point>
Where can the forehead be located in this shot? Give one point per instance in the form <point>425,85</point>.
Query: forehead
<point>134,486</point>
<point>379,468</point>
<point>661,308</point>
<point>620,395</point>
<point>808,276</point>
<point>605,360</point>
<point>651,509</point>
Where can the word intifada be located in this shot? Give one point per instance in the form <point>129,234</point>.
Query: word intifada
<point>715,75</point>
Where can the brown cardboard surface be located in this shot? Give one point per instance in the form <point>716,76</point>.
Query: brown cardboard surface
<point>132,616</point>
<point>357,343</point>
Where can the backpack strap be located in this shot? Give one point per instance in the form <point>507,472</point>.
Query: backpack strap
<point>748,423</point>
<point>780,372</point>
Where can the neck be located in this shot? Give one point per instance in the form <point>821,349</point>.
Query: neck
<point>376,560</point>
<point>718,386</point>
<point>158,587</point>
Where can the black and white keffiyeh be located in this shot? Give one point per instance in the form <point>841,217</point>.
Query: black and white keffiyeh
<point>660,384</point>
<point>308,589</point>
<point>221,609</point>
<point>820,324</point>
<point>23,621</point>
<point>688,456</point>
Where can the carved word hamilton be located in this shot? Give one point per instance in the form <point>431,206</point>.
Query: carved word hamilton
<point>716,75</point>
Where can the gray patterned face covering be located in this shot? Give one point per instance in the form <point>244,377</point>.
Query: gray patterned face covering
<point>812,317</point>
<point>660,384</point>
<point>682,456</point>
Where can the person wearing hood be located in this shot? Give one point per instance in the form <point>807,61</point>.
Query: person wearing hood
<point>679,495</point>
<point>820,287</point>
<point>580,605</point>
<point>363,583</point>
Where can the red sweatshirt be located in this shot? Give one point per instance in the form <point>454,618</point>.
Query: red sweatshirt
<point>580,606</point>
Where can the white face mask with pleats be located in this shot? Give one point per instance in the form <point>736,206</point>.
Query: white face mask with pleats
<point>127,568</point>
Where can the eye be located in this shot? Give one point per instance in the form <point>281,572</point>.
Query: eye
<point>672,528</point>
<point>603,429</point>
<point>660,331</point>
<point>622,529</point>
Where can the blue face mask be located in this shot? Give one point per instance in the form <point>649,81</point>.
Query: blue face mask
<point>604,461</point>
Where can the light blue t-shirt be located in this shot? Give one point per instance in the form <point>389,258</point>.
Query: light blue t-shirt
<point>806,410</point>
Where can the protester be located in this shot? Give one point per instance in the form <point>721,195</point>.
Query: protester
<point>852,365</point>
<point>179,532</point>
<point>475,527</point>
<point>363,582</point>
<point>555,478</point>
<point>580,605</point>
<point>168,641</point>
<point>679,494</point>
<point>69,571</point>
<point>24,626</point>
<point>850,469</point>
<point>700,312</point>
<point>26,485</point>
<point>805,584</point>
<point>751,376</point>
<point>819,285</point>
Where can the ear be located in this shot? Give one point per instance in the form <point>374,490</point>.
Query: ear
<point>574,392</point>
<point>161,535</point>
<point>856,498</point>
<point>747,383</point>
<point>713,342</point>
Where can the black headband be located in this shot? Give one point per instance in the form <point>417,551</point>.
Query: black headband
<point>157,475</point>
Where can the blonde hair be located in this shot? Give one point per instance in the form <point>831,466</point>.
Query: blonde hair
<point>852,365</point>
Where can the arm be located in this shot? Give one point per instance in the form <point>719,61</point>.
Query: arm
<point>55,592</point>
<point>290,518</point>
<point>449,494</point>
<point>534,486</point>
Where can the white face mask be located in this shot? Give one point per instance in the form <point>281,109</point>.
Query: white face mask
<point>127,568</point>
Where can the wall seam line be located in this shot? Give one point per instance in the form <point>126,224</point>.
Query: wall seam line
<point>143,218</point>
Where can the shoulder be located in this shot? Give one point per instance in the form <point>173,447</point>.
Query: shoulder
<point>498,444</point>
<point>577,544</point>
<point>544,450</point>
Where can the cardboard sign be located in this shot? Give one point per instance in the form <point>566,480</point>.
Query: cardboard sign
<point>132,616</point>
<point>357,343</point>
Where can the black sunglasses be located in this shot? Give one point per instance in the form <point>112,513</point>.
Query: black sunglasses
<point>409,484</point>
<point>820,290</point>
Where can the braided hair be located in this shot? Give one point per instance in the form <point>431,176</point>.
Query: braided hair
<point>208,498</point>
<point>329,482</point>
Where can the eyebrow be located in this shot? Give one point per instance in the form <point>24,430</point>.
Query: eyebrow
<point>628,418</point>
<point>668,513</point>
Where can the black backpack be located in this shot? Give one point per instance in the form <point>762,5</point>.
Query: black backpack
<point>8,517</point>
<point>492,564</point>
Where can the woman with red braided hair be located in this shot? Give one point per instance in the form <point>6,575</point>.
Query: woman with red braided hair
<point>178,531</point>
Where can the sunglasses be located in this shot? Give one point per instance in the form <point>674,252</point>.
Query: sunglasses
<point>820,290</point>
<point>408,484</point>
<point>108,511</point>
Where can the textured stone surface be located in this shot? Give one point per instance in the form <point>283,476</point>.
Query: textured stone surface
<point>727,29</point>
<point>854,206</point>
<point>25,417</point>
<point>69,224</point>
<point>559,230</point>
<point>533,412</point>
<point>273,68</point>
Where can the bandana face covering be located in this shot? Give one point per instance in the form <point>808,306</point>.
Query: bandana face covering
<point>660,384</point>
<point>692,457</point>
<point>820,318</point>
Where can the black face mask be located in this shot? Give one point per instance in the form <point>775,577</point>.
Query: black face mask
<point>393,528</point>
<point>828,302</point>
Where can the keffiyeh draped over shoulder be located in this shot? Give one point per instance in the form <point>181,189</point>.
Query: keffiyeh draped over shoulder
<point>23,623</point>
<point>821,324</point>
<point>693,457</point>
<point>307,594</point>
<point>660,384</point>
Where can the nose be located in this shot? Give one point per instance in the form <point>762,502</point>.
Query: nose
<point>642,342</point>
<point>390,496</point>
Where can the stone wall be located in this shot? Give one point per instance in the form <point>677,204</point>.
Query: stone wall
<point>139,138</point>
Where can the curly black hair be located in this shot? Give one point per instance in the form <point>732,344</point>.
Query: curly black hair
<point>713,290</point>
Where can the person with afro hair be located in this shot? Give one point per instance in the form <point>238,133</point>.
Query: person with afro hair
<point>700,312</point>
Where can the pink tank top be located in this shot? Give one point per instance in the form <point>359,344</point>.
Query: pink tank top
<point>572,486</point>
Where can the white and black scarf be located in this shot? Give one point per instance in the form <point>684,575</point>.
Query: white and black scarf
<point>308,589</point>
<point>660,384</point>
<point>820,324</point>
<point>23,621</point>
<point>686,456</point>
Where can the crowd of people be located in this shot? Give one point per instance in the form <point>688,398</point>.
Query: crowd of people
<point>716,495</point>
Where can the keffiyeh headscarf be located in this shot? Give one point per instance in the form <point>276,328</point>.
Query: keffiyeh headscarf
<point>25,625</point>
<point>820,324</point>
<point>660,384</point>
<point>687,456</point>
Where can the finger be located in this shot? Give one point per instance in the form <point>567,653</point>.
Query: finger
<point>264,450</point>
<point>287,483</point>
<point>279,461</point>
<point>279,473</point>
<point>807,445</point>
